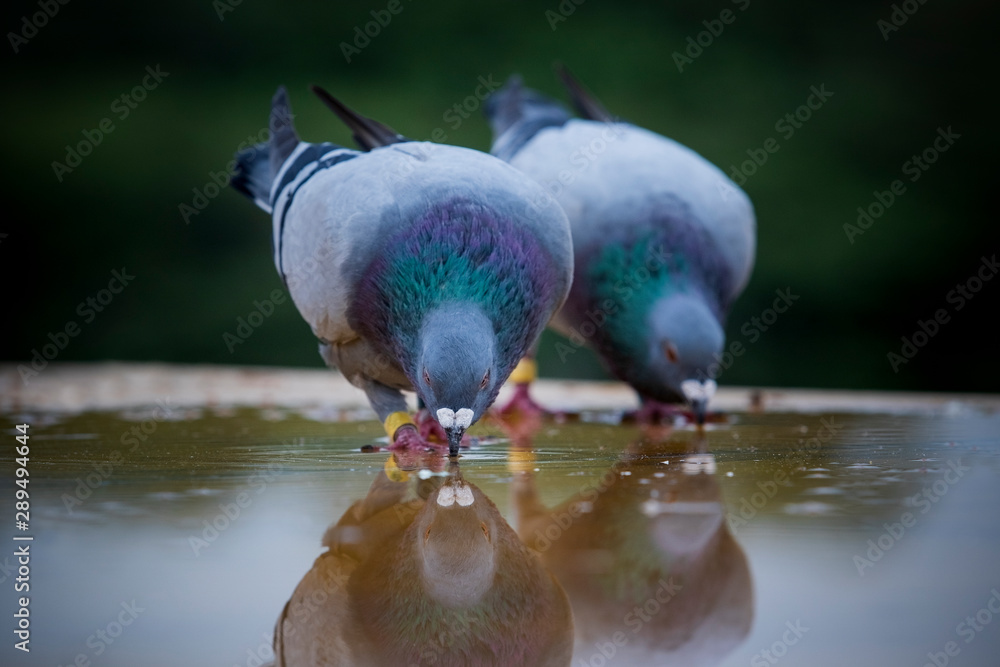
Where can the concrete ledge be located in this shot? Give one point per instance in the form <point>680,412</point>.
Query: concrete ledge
<point>75,387</point>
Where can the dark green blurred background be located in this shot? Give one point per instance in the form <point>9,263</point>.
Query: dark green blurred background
<point>120,206</point>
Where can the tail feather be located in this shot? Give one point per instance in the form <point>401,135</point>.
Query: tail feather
<point>584,101</point>
<point>517,113</point>
<point>253,175</point>
<point>283,136</point>
<point>258,166</point>
<point>367,133</point>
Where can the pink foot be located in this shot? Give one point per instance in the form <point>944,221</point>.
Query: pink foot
<point>409,439</point>
<point>430,429</point>
<point>521,403</point>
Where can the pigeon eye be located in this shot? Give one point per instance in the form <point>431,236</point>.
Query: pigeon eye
<point>427,378</point>
<point>486,531</point>
<point>427,534</point>
<point>486,380</point>
<point>671,351</point>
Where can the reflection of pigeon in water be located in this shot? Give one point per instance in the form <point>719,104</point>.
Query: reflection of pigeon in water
<point>644,553</point>
<point>418,266</point>
<point>664,241</point>
<point>441,581</point>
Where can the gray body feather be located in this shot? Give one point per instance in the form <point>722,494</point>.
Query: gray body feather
<point>620,172</point>
<point>334,210</point>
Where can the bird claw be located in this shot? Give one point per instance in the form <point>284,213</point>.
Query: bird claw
<point>409,439</point>
<point>429,427</point>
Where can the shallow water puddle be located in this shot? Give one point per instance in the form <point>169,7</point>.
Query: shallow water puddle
<point>819,539</point>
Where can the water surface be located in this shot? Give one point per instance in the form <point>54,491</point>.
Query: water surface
<point>799,539</point>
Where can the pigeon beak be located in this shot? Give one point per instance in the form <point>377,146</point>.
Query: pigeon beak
<point>454,423</point>
<point>698,395</point>
<point>455,434</point>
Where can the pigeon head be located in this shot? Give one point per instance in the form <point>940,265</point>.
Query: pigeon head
<point>685,339</point>
<point>659,294</point>
<point>457,372</point>
<point>456,535</point>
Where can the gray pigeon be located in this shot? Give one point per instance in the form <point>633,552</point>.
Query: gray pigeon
<point>663,241</point>
<point>419,266</point>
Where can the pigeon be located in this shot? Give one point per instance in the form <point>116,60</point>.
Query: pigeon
<point>419,266</point>
<point>647,548</point>
<point>435,577</point>
<point>663,241</point>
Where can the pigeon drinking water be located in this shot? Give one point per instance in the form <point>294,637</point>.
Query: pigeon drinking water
<point>418,266</point>
<point>664,242</point>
